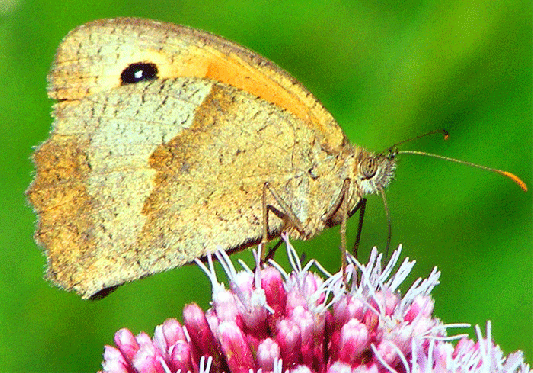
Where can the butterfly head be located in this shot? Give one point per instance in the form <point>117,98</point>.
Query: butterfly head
<point>375,171</point>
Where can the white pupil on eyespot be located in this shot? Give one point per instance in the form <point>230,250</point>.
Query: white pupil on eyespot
<point>138,74</point>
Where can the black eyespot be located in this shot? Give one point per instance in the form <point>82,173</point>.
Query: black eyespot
<point>138,72</point>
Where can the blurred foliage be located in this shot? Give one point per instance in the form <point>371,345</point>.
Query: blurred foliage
<point>387,70</point>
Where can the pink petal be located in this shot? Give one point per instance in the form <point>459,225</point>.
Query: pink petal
<point>173,331</point>
<point>114,361</point>
<point>353,341</point>
<point>225,305</point>
<point>166,335</point>
<point>347,308</point>
<point>180,357</point>
<point>148,360</point>
<point>274,287</point>
<point>126,343</point>
<point>238,354</point>
<point>289,341</point>
<point>268,352</point>
<point>422,305</point>
<point>388,353</point>
<point>202,337</point>
<point>339,367</point>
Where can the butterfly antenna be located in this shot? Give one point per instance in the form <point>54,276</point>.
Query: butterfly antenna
<point>511,176</point>
<point>441,131</point>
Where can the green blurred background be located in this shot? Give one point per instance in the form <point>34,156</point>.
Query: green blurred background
<point>387,70</point>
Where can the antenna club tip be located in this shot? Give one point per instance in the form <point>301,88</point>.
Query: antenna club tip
<point>515,178</point>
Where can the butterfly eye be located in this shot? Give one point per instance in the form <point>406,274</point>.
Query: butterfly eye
<point>369,167</point>
<point>138,72</point>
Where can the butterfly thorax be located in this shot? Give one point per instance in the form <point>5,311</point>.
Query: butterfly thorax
<point>352,173</point>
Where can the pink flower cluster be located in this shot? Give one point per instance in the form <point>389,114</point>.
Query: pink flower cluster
<point>273,321</point>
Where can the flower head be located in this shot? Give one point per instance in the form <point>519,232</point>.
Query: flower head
<point>310,321</point>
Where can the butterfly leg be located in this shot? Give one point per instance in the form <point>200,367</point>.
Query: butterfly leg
<point>361,206</point>
<point>344,212</point>
<point>341,202</point>
<point>285,213</point>
<point>270,254</point>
